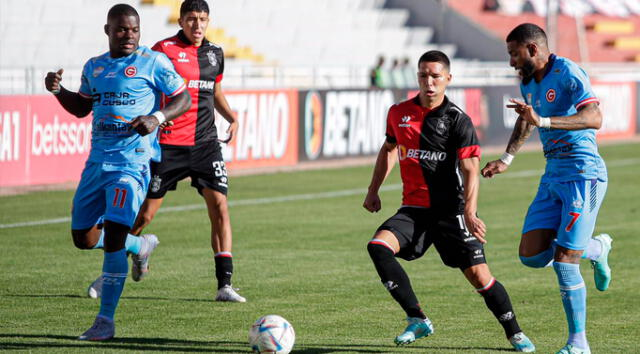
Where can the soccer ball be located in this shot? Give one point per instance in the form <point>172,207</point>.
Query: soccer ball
<point>271,334</point>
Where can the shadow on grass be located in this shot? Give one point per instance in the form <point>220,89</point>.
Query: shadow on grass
<point>179,345</point>
<point>75,296</point>
<point>135,344</point>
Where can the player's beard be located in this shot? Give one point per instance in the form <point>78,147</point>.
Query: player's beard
<point>528,69</point>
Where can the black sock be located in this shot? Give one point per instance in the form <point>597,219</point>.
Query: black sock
<point>395,279</point>
<point>498,302</point>
<point>224,270</point>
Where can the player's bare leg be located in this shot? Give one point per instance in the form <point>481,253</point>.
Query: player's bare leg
<point>221,243</point>
<point>382,249</point>
<point>497,300</point>
<point>146,214</point>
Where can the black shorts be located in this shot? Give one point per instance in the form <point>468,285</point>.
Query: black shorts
<point>203,163</point>
<point>417,228</point>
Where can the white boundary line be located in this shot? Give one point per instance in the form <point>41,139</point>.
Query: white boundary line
<point>296,197</point>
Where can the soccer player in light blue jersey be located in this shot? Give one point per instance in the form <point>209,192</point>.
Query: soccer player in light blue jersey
<point>559,101</point>
<point>122,87</point>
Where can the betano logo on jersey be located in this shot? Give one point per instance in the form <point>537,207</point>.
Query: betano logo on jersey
<point>201,84</point>
<point>404,153</point>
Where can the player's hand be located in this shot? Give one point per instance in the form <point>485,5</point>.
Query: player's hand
<point>525,111</point>
<point>493,168</point>
<point>166,123</point>
<point>52,81</point>
<point>372,202</point>
<point>475,226</point>
<point>231,132</point>
<point>144,124</point>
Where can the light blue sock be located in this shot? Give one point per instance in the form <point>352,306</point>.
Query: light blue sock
<point>114,272</point>
<point>132,243</point>
<point>574,300</point>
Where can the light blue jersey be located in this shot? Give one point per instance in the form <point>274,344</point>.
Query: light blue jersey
<point>571,154</point>
<point>123,89</point>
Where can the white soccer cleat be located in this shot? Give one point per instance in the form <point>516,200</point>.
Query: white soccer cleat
<point>102,329</point>
<point>601,269</point>
<point>140,261</point>
<point>227,293</point>
<point>94,290</point>
<point>522,343</point>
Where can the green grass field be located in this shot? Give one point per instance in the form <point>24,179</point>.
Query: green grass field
<point>300,252</point>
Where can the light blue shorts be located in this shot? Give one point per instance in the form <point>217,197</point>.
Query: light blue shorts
<point>570,208</point>
<point>113,191</point>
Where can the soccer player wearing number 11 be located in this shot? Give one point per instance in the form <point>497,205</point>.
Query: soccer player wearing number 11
<point>122,88</point>
<point>439,166</point>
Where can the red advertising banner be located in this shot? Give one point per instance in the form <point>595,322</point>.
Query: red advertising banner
<point>40,143</point>
<point>267,129</point>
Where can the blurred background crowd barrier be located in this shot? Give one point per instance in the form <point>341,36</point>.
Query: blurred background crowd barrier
<point>310,79</point>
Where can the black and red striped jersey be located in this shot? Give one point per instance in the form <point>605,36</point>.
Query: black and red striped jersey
<point>430,144</point>
<point>201,67</point>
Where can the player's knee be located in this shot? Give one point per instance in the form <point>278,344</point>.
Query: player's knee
<point>538,261</point>
<point>81,240</point>
<point>144,219</point>
<point>379,249</point>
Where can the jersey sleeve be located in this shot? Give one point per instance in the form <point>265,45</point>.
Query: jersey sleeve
<point>85,85</point>
<point>219,76</point>
<point>165,77</point>
<point>390,134</point>
<point>466,140</point>
<point>157,47</point>
<point>579,88</point>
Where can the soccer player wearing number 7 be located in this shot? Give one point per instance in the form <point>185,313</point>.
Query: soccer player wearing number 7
<point>559,101</point>
<point>439,165</point>
<point>122,87</point>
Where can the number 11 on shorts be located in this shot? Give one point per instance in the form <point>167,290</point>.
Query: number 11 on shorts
<point>120,194</point>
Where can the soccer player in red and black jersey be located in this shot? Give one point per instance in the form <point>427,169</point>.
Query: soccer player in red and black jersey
<point>190,146</point>
<point>439,166</point>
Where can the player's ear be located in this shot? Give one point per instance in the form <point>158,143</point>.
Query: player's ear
<point>106,29</point>
<point>532,48</point>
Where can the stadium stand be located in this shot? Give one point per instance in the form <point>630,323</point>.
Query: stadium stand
<point>612,26</point>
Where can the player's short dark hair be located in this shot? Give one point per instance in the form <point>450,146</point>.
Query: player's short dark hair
<point>435,56</point>
<point>120,10</point>
<point>527,32</point>
<point>193,5</point>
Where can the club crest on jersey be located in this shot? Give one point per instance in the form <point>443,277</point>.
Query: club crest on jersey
<point>405,122</point>
<point>130,71</point>
<point>441,127</point>
<point>551,95</point>
<point>212,58</point>
<point>97,71</point>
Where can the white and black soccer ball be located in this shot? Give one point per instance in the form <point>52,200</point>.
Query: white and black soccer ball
<point>272,334</point>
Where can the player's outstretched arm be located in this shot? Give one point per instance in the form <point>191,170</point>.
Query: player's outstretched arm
<point>72,102</point>
<point>384,164</point>
<point>587,117</point>
<point>521,132</point>
<point>178,105</point>
<point>222,106</point>
<point>470,168</point>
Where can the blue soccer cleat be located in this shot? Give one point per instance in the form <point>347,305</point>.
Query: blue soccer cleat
<point>416,329</point>
<point>601,270</point>
<point>570,349</point>
<point>522,343</point>
<point>102,329</point>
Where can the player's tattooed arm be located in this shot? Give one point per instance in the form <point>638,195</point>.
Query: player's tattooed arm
<point>521,132</point>
<point>589,116</point>
<point>178,105</point>
<point>72,102</point>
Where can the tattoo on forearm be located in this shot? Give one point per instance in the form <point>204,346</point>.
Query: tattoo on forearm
<point>520,134</point>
